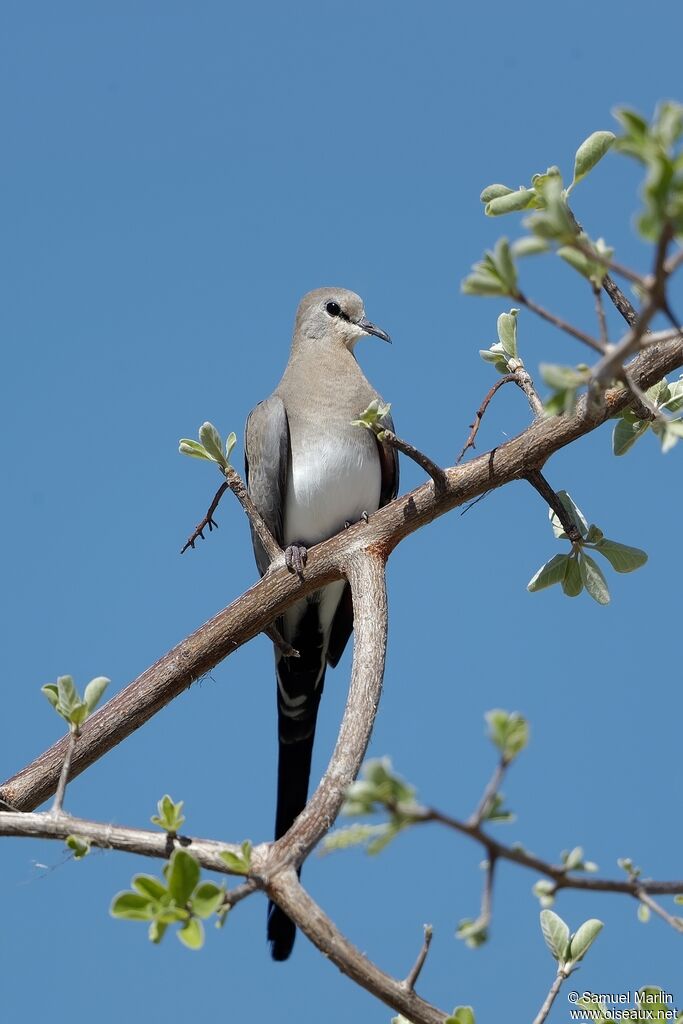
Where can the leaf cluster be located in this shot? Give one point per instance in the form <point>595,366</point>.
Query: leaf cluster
<point>578,569</point>
<point>68,702</point>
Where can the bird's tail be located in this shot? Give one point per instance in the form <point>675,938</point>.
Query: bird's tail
<point>300,685</point>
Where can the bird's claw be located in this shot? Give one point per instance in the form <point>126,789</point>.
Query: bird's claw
<point>364,516</point>
<point>295,558</point>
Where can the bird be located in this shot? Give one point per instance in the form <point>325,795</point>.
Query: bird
<point>310,473</point>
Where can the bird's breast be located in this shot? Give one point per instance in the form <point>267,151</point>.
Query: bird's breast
<point>331,481</point>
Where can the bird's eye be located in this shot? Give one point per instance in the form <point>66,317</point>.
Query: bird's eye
<point>333,308</point>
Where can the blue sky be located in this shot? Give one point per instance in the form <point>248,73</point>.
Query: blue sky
<point>175,176</point>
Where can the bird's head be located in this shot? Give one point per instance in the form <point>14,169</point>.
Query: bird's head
<point>336,316</point>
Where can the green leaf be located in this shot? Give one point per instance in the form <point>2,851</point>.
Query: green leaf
<point>544,890</point>
<point>240,864</point>
<point>584,938</point>
<point>94,691</point>
<point>620,556</point>
<point>132,906</point>
<point>79,847</point>
<point>669,433</point>
<point>186,446</point>
<point>494,192</point>
<point>50,691</point>
<point>207,898</point>
<point>373,416</point>
<point>507,332</point>
<point>626,434</point>
<point>192,934</point>
<point>183,876</point>
<point>593,579</point>
<point>213,442</point>
<point>473,933</point>
<point>549,574</point>
<point>511,202</point>
<point>589,153</point>
<point>230,442</point>
<point>170,816</point>
<point>497,356</point>
<point>508,731</point>
<point>562,377</point>
<point>68,694</point>
<point>572,584</point>
<point>157,930</point>
<point>149,886</point>
<point>556,934</point>
<point>643,913</point>
<point>529,246</point>
<point>461,1015</point>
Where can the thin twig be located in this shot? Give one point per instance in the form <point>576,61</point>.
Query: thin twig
<point>619,300</point>
<point>560,323</point>
<point>674,262</point>
<point>414,973</point>
<point>479,414</point>
<point>64,774</point>
<point>207,521</point>
<point>437,474</point>
<point>285,649</point>
<point>675,922</point>
<point>489,794</point>
<point>540,484</point>
<point>600,313</point>
<point>611,365</point>
<point>258,524</point>
<point>560,978</point>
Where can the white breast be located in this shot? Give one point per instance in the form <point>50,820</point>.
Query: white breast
<point>331,482</point>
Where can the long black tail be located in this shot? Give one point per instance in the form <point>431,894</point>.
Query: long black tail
<point>300,685</point>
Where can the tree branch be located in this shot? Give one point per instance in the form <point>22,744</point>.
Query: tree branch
<point>560,978</point>
<point>415,971</point>
<point>289,894</point>
<point>437,474</point>
<point>208,520</point>
<point>64,774</point>
<point>279,589</point>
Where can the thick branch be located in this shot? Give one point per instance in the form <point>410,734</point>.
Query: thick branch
<point>323,933</point>
<point>365,573</point>
<point>265,601</point>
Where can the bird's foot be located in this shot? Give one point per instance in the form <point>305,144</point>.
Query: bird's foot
<point>364,516</point>
<point>295,558</point>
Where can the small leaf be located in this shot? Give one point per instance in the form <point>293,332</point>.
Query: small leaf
<point>593,579</point>
<point>473,933</point>
<point>50,691</point>
<point>556,934</point>
<point>157,930</point>
<point>149,886</point>
<point>572,584</point>
<point>529,246</point>
<point>186,446</point>
<point>626,434</point>
<point>590,152</point>
<point>183,876</point>
<point>507,332</point>
<point>461,1015</point>
<point>230,442</point>
<point>494,192</point>
<point>132,906</point>
<point>213,442</point>
<point>78,846</point>
<point>549,574</point>
<point>643,913</point>
<point>620,556</point>
<point>575,514</point>
<point>68,694</point>
<point>192,934</point>
<point>511,202</point>
<point>94,691</point>
<point>584,938</point>
<point>207,898</point>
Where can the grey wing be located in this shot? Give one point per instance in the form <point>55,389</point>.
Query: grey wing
<point>342,624</point>
<point>266,464</point>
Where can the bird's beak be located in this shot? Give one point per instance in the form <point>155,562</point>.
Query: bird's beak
<point>371,328</point>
